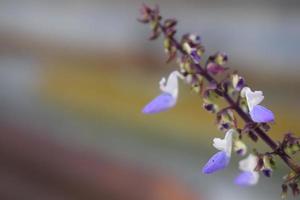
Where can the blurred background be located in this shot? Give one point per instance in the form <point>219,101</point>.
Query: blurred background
<point>74,76</point>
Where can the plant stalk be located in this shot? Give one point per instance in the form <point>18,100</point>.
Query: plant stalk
<point>259,132</point>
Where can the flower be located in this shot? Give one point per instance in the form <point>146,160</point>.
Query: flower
<point>257,112</point>
<point>249,176</point>
<point>221,159</point>
<point>168,98</point>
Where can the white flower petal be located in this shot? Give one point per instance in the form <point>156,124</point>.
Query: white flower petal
<point>162,83</point>
<point>171,85</point>
<point>226,143</point>
<point>249,163</point>
<point>255,179</point>
<point>253,98</point>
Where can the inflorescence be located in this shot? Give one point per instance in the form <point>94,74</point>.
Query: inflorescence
<point>242,101</point>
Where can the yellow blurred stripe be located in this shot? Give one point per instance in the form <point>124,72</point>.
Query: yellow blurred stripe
<point>120,95</point>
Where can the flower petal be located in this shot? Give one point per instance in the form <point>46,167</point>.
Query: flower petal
<point>253,98</point>
<point>217,162</point>
<point>226,143</point>
<point>249,163</point>
<point>161,103</point>
<point>171,85</point>
<point>261,114</point>
<point>247,178</point>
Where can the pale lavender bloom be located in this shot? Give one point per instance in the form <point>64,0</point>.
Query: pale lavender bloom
<point>161,103</point>
<point>216,163</point>
<point>257,112</point>
<point>221,159</point>
<point>249,176</point>
<point>261,114</point>
<point>168,98</point>
<point>246,179</point>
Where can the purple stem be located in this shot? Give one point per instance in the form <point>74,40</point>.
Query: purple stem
<point>259,132</point>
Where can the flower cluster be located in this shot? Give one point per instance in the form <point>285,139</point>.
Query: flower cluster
<point>242,101</point>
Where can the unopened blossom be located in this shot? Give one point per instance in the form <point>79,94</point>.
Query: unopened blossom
<point>168,98</point>
<point>239,147</point>
<point>267,166</point>
<point>215,68</point>
<point>221,159</point>
<point>248,176</point>
<point>238,82</point>
<point>193,52</point>
<point>257,112</point>
<point>194,38</point>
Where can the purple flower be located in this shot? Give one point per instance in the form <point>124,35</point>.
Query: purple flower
<point>168,98</point>
<point>248,176</point>
<point>257,112</point>
<point>216,163</point>
<point>221,159</point>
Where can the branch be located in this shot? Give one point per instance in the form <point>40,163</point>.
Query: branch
<point>192,49</point>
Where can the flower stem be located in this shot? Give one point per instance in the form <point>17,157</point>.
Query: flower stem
<point>221,92</point>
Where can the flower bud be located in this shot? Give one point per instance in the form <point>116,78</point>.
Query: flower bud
<point>240,148</point>
<point>221,58</point>
<point>194,38</point>
<point>210,107</point>
<point>238,82</point>
<point>215,68</point>
<point>170,23</point>
<point>267,172</point>
<point>194,52</point>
